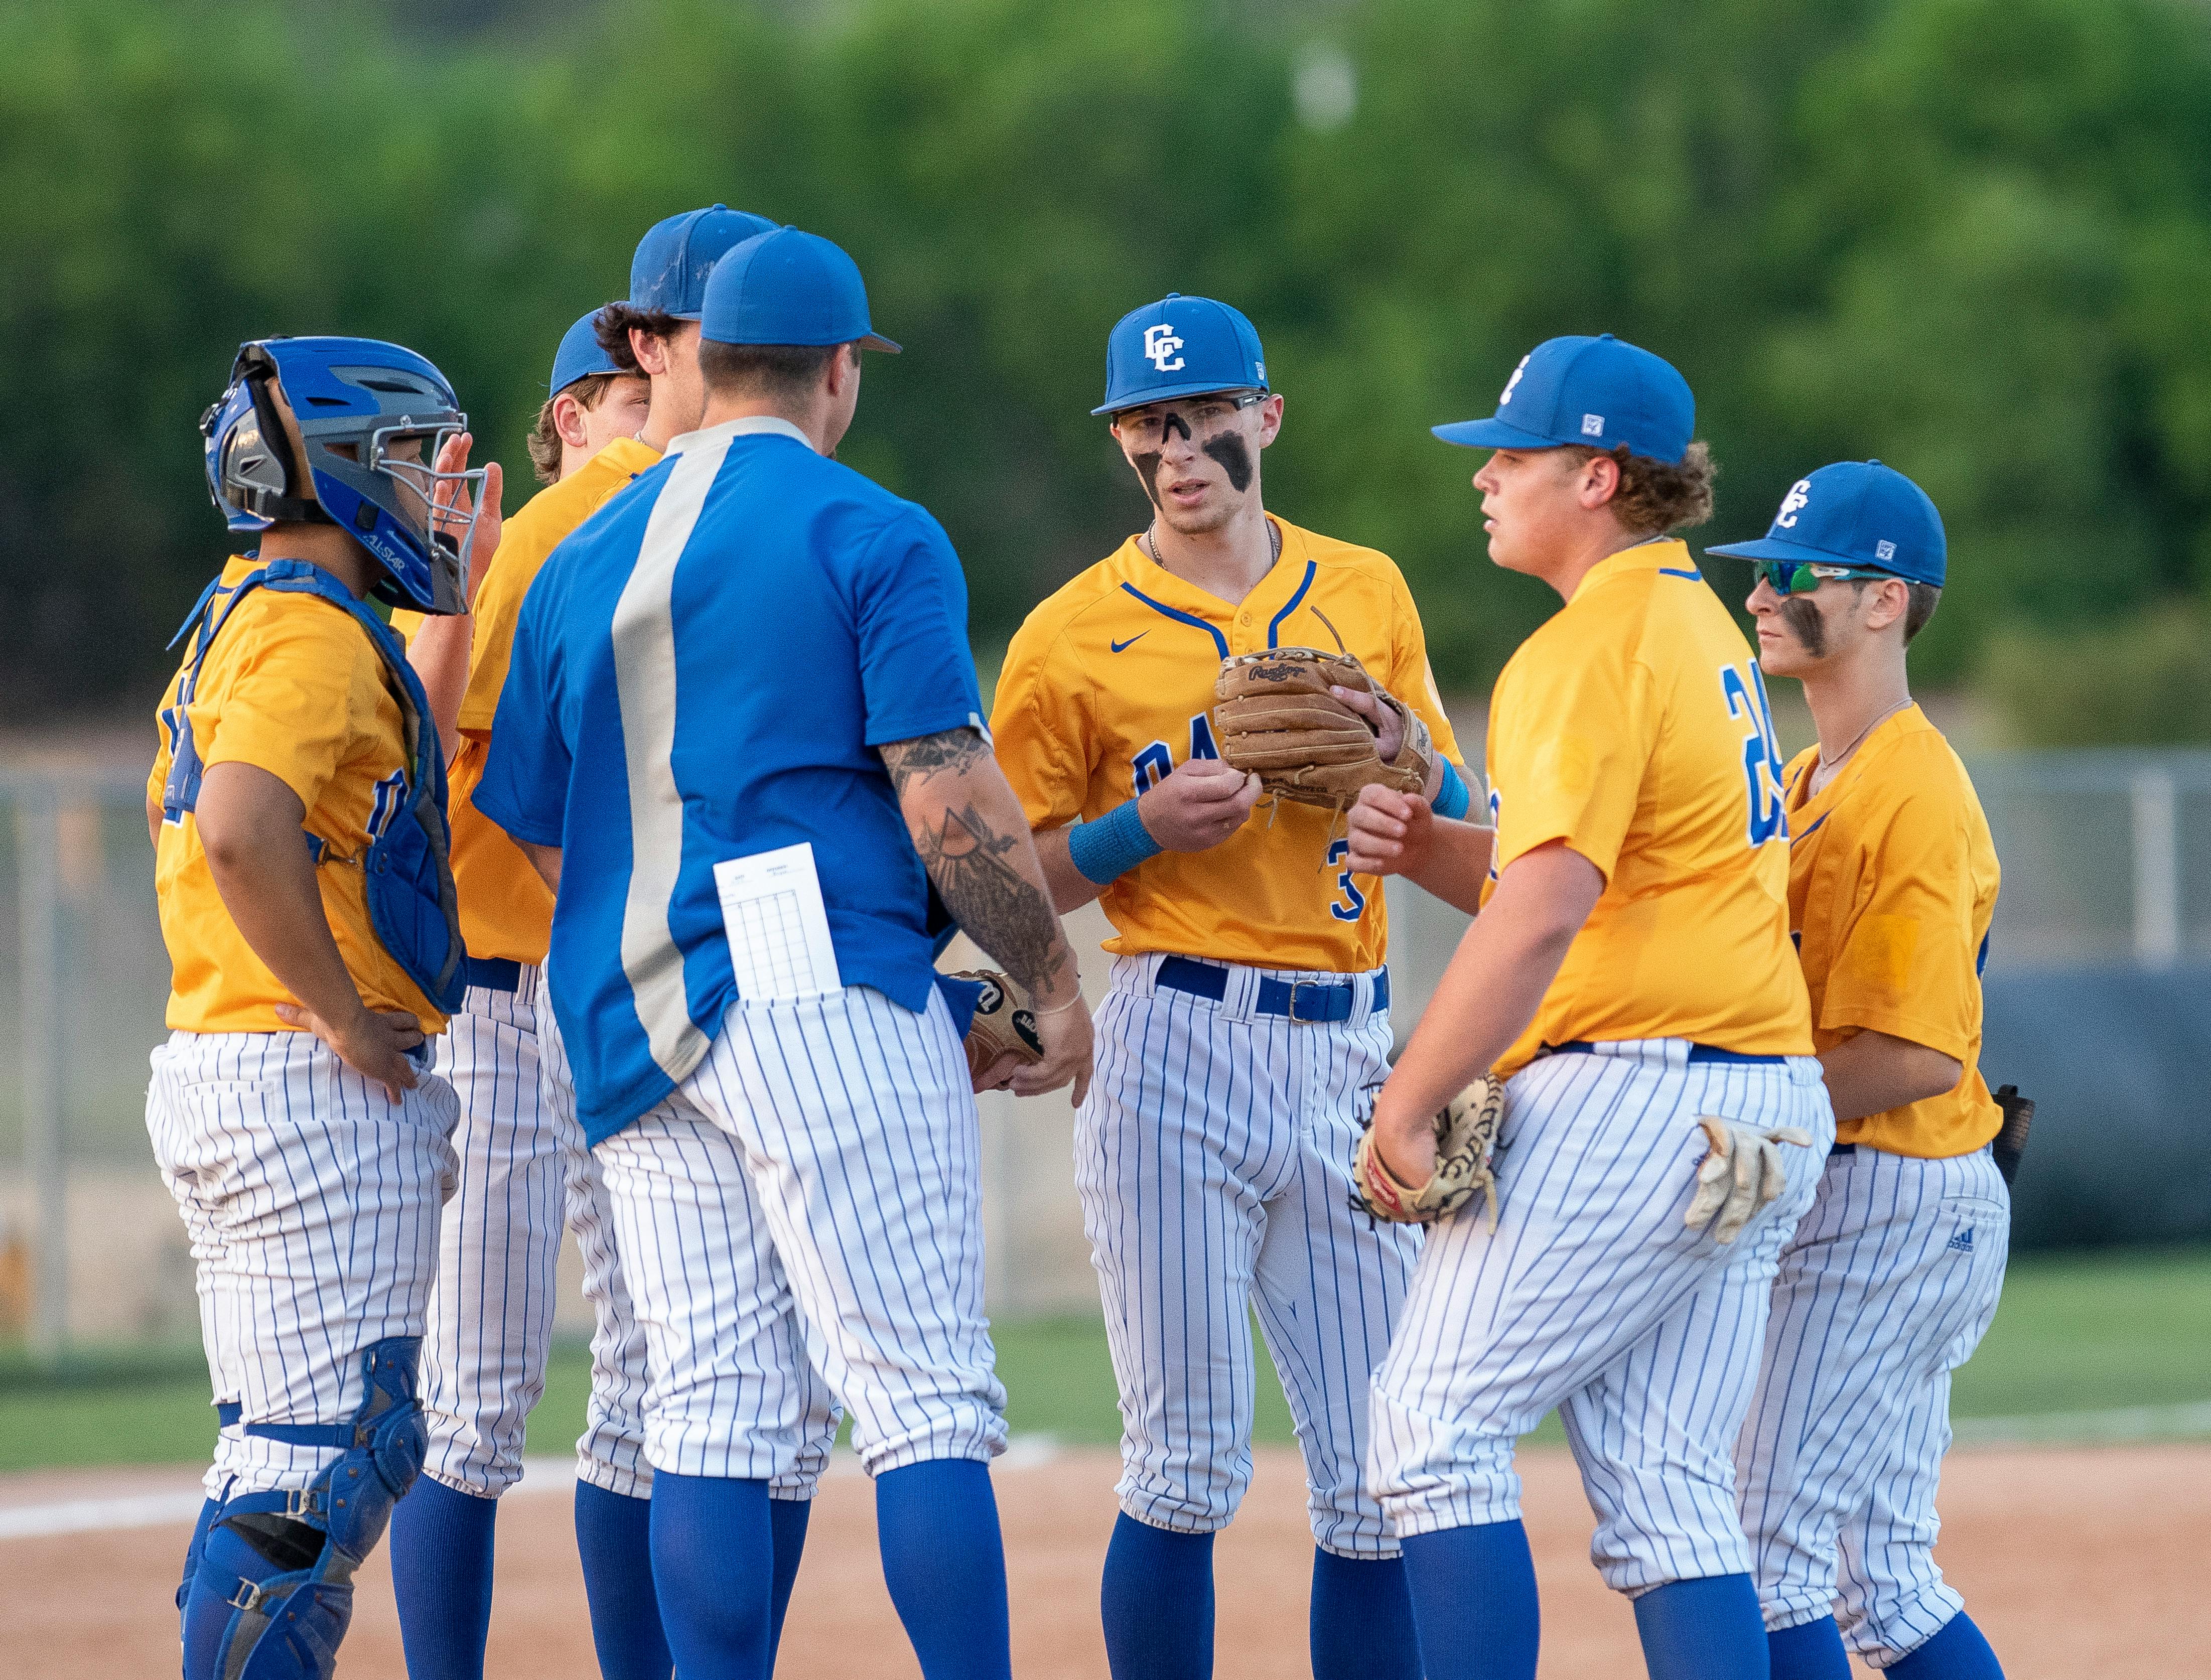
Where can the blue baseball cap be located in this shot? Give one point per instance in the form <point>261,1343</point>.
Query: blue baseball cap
<point>1180,347</point>
<point>786,286</point>
<point>580,355</point>
<point>673,258</point>
<point>1601,391</point>
<point>1854,514</point>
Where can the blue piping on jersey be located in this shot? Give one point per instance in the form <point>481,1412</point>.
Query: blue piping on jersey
<point>1692,574</point>
<point>1811,831</point>
<point>1276,622</point>
<point>1219,640</point>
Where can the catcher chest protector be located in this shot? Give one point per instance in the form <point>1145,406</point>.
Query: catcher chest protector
<point>287,1624</point>
<point>412,903</point>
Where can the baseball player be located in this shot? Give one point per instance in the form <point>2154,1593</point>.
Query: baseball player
<point>1630,979</point>
<point>523,1158</point>
<point>1248,1016</point>
<point>771,1084</point>
<point>1890,1282</point>
<point>297,803</point>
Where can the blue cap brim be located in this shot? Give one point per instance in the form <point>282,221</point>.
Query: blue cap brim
<point>1168,393</point>
<point>1774,548</point>
<point>1490,434</point>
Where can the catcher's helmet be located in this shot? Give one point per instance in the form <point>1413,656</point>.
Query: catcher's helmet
<point>372,416</point>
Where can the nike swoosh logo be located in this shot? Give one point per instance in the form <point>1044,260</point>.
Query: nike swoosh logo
<point>1117,646</point>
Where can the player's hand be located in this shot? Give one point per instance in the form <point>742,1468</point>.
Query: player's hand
<point>374,1043</point>
<point>1384,719</point>
<point>1065,1037</point>
<point>997,1075</point>
<point>1197,805</point>
<point>1406,1140</point>
<point>1390,832</point>
<point>483,542</point>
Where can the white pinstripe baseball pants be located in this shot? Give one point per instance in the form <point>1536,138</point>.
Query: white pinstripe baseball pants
<point>1592,1297</point>
<point>311,1201</point>
<point>810,1195</point>
<point>1886,1289</point>
<point>1213,1157</point>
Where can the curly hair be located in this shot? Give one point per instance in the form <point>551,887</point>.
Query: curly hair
<point>545,437</point>
<point>1654,496</point>
<point>612,327</point>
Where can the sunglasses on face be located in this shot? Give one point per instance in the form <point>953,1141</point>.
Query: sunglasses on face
<point>1792,577</point>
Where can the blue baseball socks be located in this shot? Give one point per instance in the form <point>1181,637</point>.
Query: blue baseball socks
<point>1361,1621</point>
<point>1706,1629</point>
<point>1480,1581</point>
<point>441,1575</point>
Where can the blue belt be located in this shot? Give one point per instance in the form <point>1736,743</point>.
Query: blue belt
<point>1306,1002</point>
<point>492,973</point>
<point>1834,1150</point>
<point>1698,1052</point>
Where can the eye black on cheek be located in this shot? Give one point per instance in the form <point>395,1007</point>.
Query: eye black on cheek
<point>1234,459</point>
<point>1148,468</point>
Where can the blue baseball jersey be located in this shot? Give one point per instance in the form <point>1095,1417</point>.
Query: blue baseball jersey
<point>702,671</point>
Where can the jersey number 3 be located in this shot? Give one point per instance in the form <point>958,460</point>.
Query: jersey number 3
<point>1761,751</point>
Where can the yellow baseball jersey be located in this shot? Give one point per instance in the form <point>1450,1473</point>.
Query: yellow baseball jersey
<point>1893,882</point>
<point>1633,727</point>
<point>506,910</point>
<point>293,686</point>
<point>1109,685</point>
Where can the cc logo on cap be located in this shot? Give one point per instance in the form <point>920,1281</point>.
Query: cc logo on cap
<point>1161,346</point>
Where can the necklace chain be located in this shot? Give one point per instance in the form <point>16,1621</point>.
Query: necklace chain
<point>1151,543</point>
<point>1829,768</point>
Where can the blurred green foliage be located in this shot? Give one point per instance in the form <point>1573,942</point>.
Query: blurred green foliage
<point>1968,236</point>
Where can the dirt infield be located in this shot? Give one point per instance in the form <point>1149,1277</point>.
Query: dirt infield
<point>2077,1562</point>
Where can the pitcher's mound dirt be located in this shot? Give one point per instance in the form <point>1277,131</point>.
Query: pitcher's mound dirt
<point>2076,1563</point>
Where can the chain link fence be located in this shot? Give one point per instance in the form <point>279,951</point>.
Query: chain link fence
<point>2106,858</point>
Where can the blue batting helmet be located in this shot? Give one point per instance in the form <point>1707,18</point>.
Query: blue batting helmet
<point>373,417</point>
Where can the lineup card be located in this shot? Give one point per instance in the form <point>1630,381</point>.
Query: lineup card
<point>778,929</point>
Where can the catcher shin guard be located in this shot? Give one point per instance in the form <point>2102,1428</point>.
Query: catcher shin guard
<point>272,1592</point>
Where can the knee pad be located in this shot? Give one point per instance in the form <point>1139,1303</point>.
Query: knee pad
<point>284,1561</point>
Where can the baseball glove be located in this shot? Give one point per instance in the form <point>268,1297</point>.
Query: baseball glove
<point>1466,1135</point>
<point>1742,1172</point>
<point>2010,1142</point>
<point>1274,717</point>
<point>1002,1022</point>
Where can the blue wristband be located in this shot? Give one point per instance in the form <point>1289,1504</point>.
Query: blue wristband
<point>1112,845</point>
<point>1453,797</point>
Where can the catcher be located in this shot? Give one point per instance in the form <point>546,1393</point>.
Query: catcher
<point>1143,713</point>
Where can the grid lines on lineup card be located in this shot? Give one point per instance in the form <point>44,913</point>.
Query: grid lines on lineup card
<point>773,939</point>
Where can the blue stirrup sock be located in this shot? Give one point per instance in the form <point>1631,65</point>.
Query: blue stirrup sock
<point>441,1542</point>
<point>1957,1653</point>
<point>1157,1597</point>
<point>1361,1622</point>
<point>944,1563</point>
<point>713,1570</point>
<point>1809,1650</point>
<point>613,1539</point>
<point>786,1520</point>
<point>1478,1584</point>
<point>1710,1628</point>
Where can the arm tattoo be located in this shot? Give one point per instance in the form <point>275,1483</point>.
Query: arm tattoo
<point>1001,910</point>
<point>958,750</point>
<point>1004,912</point>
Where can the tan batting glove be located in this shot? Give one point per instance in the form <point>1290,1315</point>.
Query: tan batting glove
<point>1742,1173</point>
